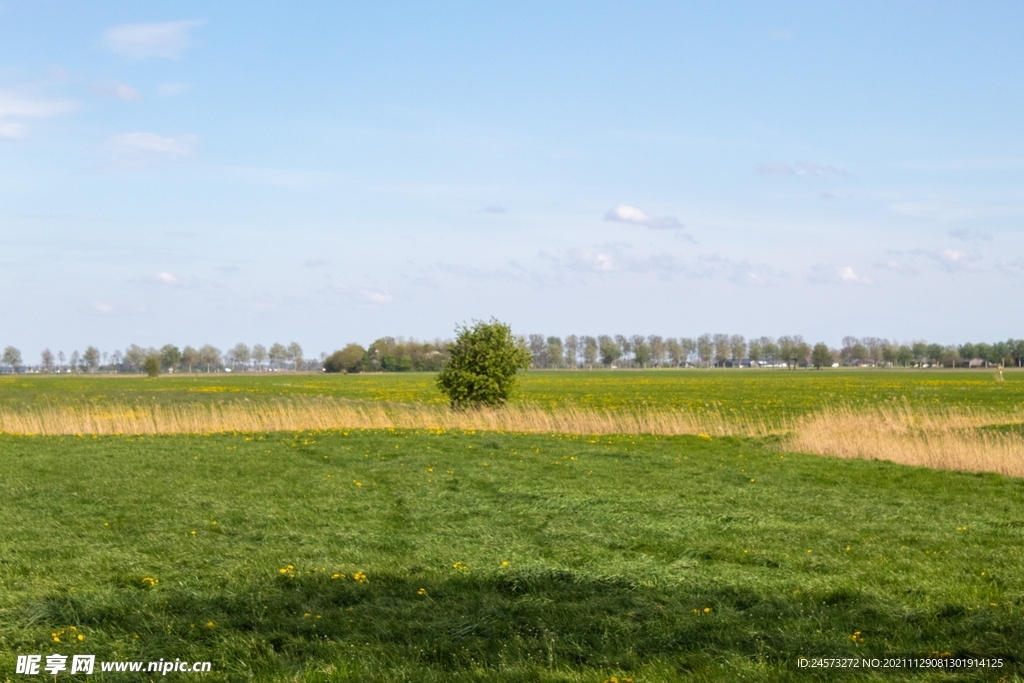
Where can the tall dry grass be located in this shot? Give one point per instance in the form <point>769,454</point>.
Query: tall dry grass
<point>309,413</point>
<point>954,439</point>
<point>946,439</point>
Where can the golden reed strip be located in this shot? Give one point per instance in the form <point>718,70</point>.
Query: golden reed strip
<point>946,439</point>
<point>309,413</point>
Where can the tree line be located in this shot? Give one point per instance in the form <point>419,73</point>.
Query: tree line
<point>397,354</point>
<point>168,358</point>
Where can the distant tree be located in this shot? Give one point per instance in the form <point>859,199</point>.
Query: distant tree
<point>675,352</point>
<point>134,357</point>
<point>641,350</point>
<point>688,347</point>
<point>259,355</point>
<point>889,352</point>
<point>12,357</point>
<point>483,364</point>
<point>572,349</point>
<point>788,351</point>
<point>91,358</point>
<point>625,348</point>
<point>705,349</point>
<point>115,360</point>
<point>609,349</point>
<point>349,359</point>
<point>904,355</point>
<point>60,360</point>
<point>190,358</point>
<point>170,356</point>
<point>737,348</point>
<point>949,357</point>
<point>821,357</point>
<point>722,353</point>
<point>152,365</point>
<point>770,349</point>
<point>295,355</point>
<point>657,345</point>
<point>240,353</point>
<point>210,357</point>
<point>755,352</point>
<point>590,350</point>
<point>554,352</point>
<point>73,362</point>
<point>278,354</point>
<point>46,360</point>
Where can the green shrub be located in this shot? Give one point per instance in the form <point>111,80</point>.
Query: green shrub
<point>350,359</point>
<point>483,365</point>
<point>152,366</point>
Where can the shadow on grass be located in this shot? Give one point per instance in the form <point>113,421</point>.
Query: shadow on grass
<point>548,619</point>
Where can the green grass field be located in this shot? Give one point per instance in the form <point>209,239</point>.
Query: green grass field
<point>506,557</point>
<point>769,394</point>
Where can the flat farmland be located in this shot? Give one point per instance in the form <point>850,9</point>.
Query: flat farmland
<point>570,554</point>
<point>768,394</point>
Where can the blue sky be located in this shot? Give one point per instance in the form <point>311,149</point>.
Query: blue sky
<point>327,172</point>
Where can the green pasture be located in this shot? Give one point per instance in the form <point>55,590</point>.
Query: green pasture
<point>763,393</point>
<point>499,557</point>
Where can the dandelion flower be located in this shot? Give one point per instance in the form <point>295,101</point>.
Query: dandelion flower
<point>422,591</point>
<point>81,637</point>
<point>706,610</point>
<point>210,624</point>
<point>360,577</point>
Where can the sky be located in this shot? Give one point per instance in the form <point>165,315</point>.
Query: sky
<point>195,173</point>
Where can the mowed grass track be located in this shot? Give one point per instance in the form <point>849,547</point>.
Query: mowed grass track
<point>654,558</point>
<point>767,394</point>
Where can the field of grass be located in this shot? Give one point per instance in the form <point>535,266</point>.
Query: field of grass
<point>460,554</point>
<point>497,557</point>
<point>765,394</point>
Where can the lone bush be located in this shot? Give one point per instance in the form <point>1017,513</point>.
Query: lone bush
<point>152,366</point>
<point>483,365</point>
<point>349,359</point>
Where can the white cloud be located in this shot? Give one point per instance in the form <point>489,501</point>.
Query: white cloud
<point>749,274</point>
<point>376,298</point>
<point>171,89</point>
<point>1015,268</point>
<point>21,104</point>
<point>801,168</point>
<point>149,147</point>
<point>847,275</point>
<point>105,309</point>
<point>116,90</point>
<point>896,267</point>
<point>167,278</point>
<point>966,235</point>
<point>12,130</point>
<point>139,41</point>
<point>623,213</point>
<point>774,169</point>
<point>837,275</point>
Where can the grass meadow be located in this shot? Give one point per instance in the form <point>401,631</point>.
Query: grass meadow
<point>452,553</point>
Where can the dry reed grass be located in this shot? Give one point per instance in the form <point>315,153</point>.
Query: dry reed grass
<point>954,439</point>
<point>944,439</point>
<point>310,413</point>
